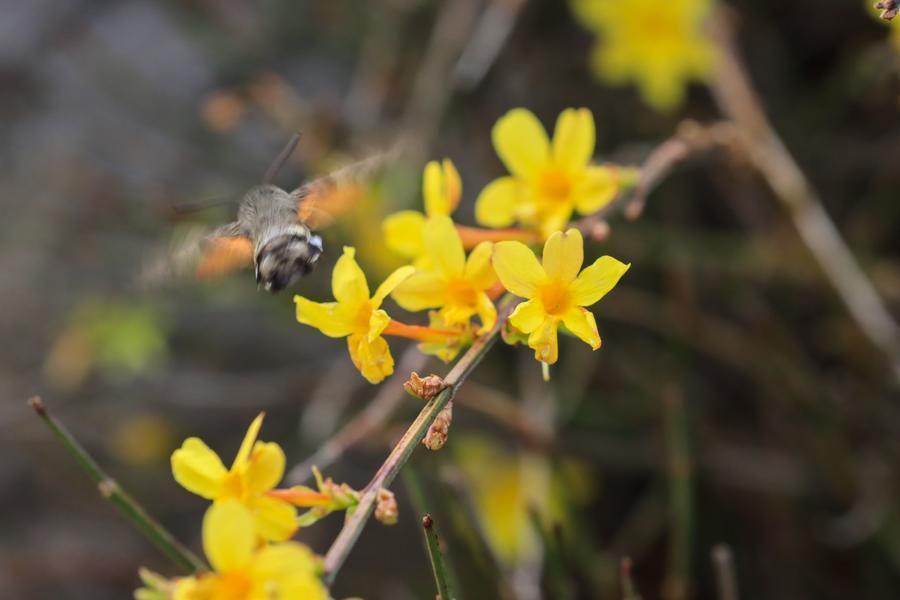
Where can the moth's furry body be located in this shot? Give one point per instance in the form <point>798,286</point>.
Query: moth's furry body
<point>284,248</point>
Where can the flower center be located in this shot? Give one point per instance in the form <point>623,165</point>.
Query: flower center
<point>233,585</point>
<point>555,186</point>
<point>233,486</point>
<point>361,322</point>
<point>461,293</point>
<point>555,298</point>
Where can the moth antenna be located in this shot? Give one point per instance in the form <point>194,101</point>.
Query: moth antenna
<point>281,158</point>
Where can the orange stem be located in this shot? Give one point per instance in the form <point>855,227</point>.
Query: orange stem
<point>418,332</point>
<point>472,236</point>
<point>300,497</point>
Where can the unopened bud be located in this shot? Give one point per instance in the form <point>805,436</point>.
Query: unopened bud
<point>440,429</point>
<point>386,511</point>
<point>425,388</point>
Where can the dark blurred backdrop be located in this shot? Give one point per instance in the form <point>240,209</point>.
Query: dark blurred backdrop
<point>113,112</point>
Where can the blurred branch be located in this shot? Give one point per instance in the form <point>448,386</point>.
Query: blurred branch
<point>346,539</point>
<point>629,591</point>
<point>491,32</point>
<point>738,100</point>
<point>677,582</point>
<point>376,413</point>
<point>726,579</point>
<point>111,491</point>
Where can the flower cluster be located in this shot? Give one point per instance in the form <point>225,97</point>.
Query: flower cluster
<point>660,46</point>
<point>247,528</point>
<point>457,273</point>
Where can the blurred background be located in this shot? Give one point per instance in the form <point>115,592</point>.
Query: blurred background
<point>734,401</point>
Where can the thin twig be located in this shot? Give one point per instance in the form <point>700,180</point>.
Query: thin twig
<point>372,417</point>
<point>346,539</point>
<point>422,504</point>
<point>111,491</point>
<point>677,583</point>
<point>629,591</point>
<point>736,97</point>
<point>726,579</point>
<point>438,567</point>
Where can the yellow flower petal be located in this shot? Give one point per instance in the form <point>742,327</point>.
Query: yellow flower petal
<point>373,359</point>
<point>348,282</point>
<point>403,233</point>
<point>574,138</point>
<point>441,188</point>
<point>496,204</point>
<point>229,535</point>
<point>390,283</point>
<point>444,246</point>
<point>198,469</point>
<point>479,271</point>
<point>186,589</point>
<point>290,571</point>
<point>581,322</point>
<point>425,289</point>
<point>275,520</point>
<point>521,142</point>
<point>563,255</point>
<point>324,316</point>
<point>595,189</point>
<point>279,561</point>
<point>487,313</point>
<point>517,268</point>
<point>528,316</point>
<point>597,280</point>
<point>378,321</point>
<point>543,341</point>
<point>243,454</point>
<point>265,467</point>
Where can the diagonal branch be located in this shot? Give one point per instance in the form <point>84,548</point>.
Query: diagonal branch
<point>401,452</point>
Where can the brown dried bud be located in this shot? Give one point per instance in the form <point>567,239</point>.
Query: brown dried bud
<point>440,429</point>
<point>888,8</point>
<point>386,511</point>
<point>425,388</point>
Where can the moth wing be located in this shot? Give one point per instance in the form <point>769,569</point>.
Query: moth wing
<point>222,255</point>
<point>324,200</point>
<point>201,254</point>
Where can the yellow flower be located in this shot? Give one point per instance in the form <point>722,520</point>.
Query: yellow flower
<point>548,181</point>
<point>242,570</point>
<point>658,45</point>
<point>556,291</point>
<point>257,468</point>
<point>441,189</point>
<point>456,285</point>
<point>355,315</point>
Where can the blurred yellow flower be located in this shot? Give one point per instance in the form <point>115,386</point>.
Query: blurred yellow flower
<point>556,292</point>
<point>548,181</point>
<point>257,468</point>
<point>658,45</point>
<point>456,285</point>
<point>355,315</point>
<point>242,570</point>
<point>441,190</point>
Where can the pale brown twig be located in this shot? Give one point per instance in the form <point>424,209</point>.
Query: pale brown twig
<point>737,99</point>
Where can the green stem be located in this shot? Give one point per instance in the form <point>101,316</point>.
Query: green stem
<point>346,539</point>
<point>111,491</point>
<point>438,566</point>
<point>422,504</point>
<point>681,495</point>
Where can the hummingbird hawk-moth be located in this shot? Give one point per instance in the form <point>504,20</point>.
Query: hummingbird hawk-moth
<point>274,230</point>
